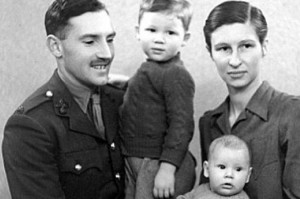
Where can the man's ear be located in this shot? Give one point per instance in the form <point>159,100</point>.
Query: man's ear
<point>186,37</point>
<point>137,32</point>
<point>54,45</point>
<point>205,168</point>
<point>249,174</point>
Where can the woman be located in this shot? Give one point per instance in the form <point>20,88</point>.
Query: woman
<point>268,120</point>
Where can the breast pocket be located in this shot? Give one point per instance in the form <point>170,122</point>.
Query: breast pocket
<point>84,173</point>
<point>265,180</point>
<point>81,161</point>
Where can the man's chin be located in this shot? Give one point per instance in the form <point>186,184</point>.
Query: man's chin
<point>102,81</point>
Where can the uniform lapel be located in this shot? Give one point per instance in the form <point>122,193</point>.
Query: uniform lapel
<point>109,106</point>
<point>65,106</point>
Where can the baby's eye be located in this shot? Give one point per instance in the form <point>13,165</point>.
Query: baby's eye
<point>221,166</point>
<point>239,169</point>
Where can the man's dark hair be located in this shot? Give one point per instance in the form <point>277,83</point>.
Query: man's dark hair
<point>60,11</point>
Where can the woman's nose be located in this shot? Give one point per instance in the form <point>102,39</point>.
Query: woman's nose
<point>234,60</point>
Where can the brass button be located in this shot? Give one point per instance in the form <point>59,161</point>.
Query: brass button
<point>113,146</point>
<point>20,109</point>
<point>49,93</point>
<point>118,176</point>
<point>78,167</point>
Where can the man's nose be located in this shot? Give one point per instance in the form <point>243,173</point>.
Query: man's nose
<point>234,59</point>
<point>104,50</point>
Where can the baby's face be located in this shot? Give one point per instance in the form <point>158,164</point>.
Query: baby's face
<point>228,170</point>
<point>161,35</point>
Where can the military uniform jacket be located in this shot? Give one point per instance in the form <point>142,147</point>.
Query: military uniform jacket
<point>52,150</point>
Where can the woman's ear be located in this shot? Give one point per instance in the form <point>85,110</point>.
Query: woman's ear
<point>209,51</point>
<point>205,168</point>
<point>265,47</point>
<point>137,32</point>
<point>54,45</point>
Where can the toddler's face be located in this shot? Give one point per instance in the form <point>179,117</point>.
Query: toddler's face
<point>228,170</point>
<point>161,35</point>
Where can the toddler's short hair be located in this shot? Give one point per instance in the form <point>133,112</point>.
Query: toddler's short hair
<point>181,8</point>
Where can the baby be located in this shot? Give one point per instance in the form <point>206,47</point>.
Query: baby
<point>228,169</point>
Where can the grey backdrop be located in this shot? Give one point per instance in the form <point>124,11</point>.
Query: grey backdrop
<point>25,62</point>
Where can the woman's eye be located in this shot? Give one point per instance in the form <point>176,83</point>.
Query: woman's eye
<point>224,48</point>
<point>247,46</point>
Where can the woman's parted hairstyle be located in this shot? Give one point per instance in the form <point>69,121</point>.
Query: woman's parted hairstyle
<point>230,12</point>
<point>60,11</point>
<point>181,8</point>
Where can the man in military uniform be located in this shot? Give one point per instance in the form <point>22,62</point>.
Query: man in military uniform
<point>52,147</point>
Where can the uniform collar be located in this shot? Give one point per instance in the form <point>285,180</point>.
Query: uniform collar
<point>66,106</point>
<point>81,94</point>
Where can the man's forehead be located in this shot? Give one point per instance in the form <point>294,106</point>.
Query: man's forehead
<point>92,22</point>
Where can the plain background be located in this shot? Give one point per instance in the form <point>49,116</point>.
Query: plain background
<point>25,62</point>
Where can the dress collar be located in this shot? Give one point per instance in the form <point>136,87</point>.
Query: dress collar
<point>258,103</point>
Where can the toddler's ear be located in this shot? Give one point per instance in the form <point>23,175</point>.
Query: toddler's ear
<point>137,32</point>
<point>187,36</point>
<point>205,168</point>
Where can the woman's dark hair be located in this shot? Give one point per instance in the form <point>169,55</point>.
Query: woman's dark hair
<point>230,12</point>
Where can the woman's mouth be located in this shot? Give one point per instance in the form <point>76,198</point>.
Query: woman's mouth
<point>236,74</point>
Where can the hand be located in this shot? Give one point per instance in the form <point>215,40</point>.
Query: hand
<point>117,79</point>
<point>164,181</point>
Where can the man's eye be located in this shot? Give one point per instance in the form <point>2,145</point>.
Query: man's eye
<point>89,42</point>
<point>110,40</point>
<point>150,29</point>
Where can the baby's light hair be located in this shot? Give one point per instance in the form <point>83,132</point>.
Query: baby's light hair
<point>231,142</point>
